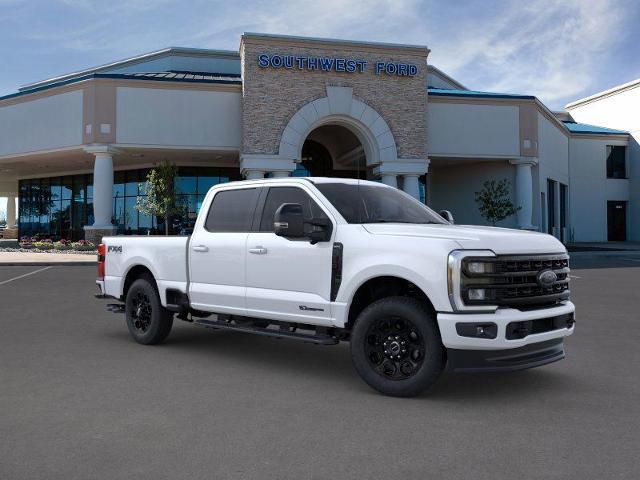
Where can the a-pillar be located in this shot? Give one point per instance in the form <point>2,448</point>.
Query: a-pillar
<point>102,193</point>
<point>524,191</point>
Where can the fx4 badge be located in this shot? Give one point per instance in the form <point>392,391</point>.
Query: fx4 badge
<point>310,309</point>
<point>114,249</point>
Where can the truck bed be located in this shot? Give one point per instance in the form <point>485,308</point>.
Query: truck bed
<point>164,257</point>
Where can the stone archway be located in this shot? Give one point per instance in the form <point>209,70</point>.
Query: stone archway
<point>339,107</point>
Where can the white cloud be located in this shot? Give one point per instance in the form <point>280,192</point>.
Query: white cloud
<point>547,48</point>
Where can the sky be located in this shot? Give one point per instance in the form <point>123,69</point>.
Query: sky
<point>557,50</point>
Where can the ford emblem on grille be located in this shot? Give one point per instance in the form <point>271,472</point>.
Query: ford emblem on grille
<point>546,278</point>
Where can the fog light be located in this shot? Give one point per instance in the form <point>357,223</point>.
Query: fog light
<point>477,330</point>
<point>477,294</point>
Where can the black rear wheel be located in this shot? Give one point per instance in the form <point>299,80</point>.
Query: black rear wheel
<point>148,321</point>
<point>396,346</point>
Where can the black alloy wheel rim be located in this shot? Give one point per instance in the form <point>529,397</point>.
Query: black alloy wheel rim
<point>141,312</point>
<point>394,348</point>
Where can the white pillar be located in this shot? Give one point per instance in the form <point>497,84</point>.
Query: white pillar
<point>411,185</point>
<point>11,212</point>
<point>254,174</point>
<point>390,179</point>
<point>103,190</point>
<point>280,174</point>
<point>524,191</point>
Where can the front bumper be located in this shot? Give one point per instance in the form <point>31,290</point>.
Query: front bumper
<point>502,318</point>
<point>529,356</point>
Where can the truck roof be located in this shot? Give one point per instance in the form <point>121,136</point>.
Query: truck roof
<point>348,181</point>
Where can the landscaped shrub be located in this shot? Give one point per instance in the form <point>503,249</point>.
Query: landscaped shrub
<point>83,245</point>
<point>43,245</point>
<point>30,243</point>
<point>63,245</point>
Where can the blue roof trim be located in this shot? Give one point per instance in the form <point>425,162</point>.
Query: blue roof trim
<point>225,80</point>
<point>444,92</point>
<point>585,128</point>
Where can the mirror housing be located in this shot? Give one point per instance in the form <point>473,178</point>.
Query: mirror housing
<point>288,221</point>
<point>319,230</point>
<point>447,215</point>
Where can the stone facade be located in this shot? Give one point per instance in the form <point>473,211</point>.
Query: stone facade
<point>272,96</point>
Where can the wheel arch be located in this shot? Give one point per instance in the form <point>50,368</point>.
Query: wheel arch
<point>135,272</point>
<point>382,286</point>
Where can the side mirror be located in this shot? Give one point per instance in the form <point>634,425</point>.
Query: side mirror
<point>318,230</point>
<point>288,221</point>
<point>447,215</point>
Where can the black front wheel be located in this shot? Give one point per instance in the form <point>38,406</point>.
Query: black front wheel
<point>148,321</point>
<point>396,346</point>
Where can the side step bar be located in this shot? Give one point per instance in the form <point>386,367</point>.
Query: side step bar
<point>319,339</point>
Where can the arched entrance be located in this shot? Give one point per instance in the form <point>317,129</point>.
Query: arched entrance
<point>333,151</point>
<point>338,136</point>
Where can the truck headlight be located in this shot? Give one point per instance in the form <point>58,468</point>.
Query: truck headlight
<point>457,269</point>
<point>480,267</point>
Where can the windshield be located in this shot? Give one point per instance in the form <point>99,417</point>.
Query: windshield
<point>376,204</point>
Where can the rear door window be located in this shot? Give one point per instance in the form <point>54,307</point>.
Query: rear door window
<point>232,211</point>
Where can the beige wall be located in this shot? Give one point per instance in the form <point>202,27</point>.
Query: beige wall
<point>589,188</point>
<point>620,110</point>
<point>45,123</point>
<point>453,188</point>
<point>172,117</point>
<point>272,96</point>
<point>473,129</point>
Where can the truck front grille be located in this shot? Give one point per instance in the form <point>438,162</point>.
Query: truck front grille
<point>515,281</point>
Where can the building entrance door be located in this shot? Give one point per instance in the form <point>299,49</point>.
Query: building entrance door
<point>617,221</point>
<point>333,151</point>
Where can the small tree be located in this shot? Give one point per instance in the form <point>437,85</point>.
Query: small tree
<point>161,199</point>
<point>494,201</point>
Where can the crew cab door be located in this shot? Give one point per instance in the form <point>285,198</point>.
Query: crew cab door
<point>218,251</point>
<point>288,279</point>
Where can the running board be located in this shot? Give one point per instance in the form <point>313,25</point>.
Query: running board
<point>318,339</point>
<point>115,307</point>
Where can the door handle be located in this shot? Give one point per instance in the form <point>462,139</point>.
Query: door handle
<point>200,248</point>
<point>258,250</point>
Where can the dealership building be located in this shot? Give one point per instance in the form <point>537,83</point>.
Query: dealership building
<point>75,149</point>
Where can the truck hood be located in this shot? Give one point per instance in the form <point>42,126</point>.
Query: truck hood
<point>471,237</point>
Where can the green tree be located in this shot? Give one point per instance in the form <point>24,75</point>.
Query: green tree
<point>494,201</point>
<point>161,199</point>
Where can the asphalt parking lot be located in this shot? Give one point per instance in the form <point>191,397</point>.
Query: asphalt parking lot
<point>80,400</point>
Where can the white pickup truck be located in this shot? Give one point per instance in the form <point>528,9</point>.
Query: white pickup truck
<point>325,260</point>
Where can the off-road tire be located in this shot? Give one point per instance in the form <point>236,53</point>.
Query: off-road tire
<point>148,321</point>
<point>401,328</point>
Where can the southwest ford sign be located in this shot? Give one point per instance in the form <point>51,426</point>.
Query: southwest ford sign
<point>334,64</point>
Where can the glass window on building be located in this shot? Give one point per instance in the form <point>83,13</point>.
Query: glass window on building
<point>616,161</point>
<point>60,207</point>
